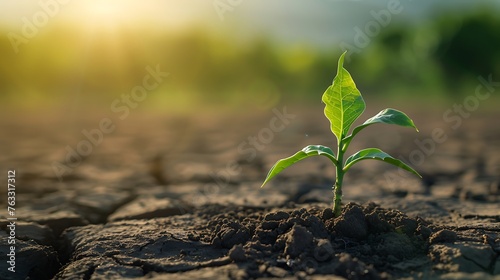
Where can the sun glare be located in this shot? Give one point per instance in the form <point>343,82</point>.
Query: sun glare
<point>110,14</point>
<point>107,15</point>
<point>110,32</point>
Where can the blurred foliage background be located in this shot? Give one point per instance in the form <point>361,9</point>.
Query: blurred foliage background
<point>242,54</point>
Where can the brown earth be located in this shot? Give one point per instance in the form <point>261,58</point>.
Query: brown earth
<point>178,197</point>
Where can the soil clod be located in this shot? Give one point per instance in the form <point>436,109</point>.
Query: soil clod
<point>443,236</point>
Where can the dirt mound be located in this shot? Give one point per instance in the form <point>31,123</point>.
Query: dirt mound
<point>311,240</point>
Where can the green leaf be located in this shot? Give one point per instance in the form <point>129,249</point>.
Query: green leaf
<point>309,151</point>
<point>344,103</point>
<point>374,153</point>
<point>388,116</point>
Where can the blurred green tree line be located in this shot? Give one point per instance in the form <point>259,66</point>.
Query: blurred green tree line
<point>441,58</point>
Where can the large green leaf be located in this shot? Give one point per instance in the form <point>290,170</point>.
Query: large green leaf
<point>309,151</point>
<point>344,103</point>
<point>388,116</point>
<point>374,153</point>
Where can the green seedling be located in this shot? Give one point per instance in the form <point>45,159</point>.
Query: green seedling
<point>343,105</point>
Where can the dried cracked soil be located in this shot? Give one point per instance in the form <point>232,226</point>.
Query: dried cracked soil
<point>179,198</point>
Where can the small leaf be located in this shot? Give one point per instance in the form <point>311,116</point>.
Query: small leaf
<point>344,103</point>
<point>388,116</point>
<point>309,151</point>
<point>374,153</point>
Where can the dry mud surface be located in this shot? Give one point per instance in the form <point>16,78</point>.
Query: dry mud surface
<point>178,197</point>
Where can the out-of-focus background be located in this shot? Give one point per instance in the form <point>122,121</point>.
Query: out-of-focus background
<point>67,57</point>
<point>137,81</point>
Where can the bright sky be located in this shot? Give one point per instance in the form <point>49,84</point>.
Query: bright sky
<point>107,12</point>
<point>315,21</point>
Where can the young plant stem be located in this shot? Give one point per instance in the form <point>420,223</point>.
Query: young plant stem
<point>339,177</point>
<point>343,105</point>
